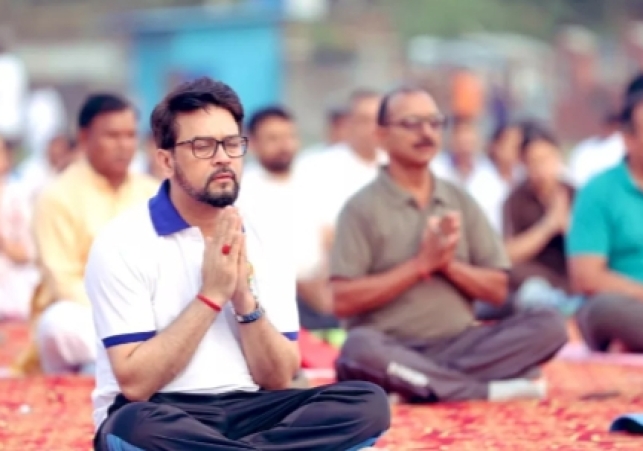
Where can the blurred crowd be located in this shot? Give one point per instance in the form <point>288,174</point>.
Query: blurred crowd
<point>566,222</point>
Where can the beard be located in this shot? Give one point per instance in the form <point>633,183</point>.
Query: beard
<point>278,165</point>
<point>220,199</point>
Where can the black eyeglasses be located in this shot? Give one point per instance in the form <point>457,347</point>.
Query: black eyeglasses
<point>206,148</point>
<point>416,123</point>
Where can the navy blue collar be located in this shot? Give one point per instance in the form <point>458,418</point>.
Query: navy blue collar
<point>165,217</point>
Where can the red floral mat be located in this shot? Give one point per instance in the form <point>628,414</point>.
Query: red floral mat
<point>54,414</point>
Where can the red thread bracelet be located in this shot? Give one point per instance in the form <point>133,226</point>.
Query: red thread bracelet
<point>213,305</point>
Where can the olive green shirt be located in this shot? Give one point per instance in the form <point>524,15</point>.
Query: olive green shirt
<point>381,227</point>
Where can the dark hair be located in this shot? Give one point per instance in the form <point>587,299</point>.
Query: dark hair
<point>98,104</point>
<point>534,132</point>
<point>499,131</point>
<point>336,114</point>
<point>632,103</point>
<point>382,113</point>
<point>190,96</point>
<point>264,114</point>
<point>635,86</point>
<point>461,121</point>
<point>68,139</point>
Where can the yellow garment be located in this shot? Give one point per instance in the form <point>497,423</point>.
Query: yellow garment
<point>67,218</point>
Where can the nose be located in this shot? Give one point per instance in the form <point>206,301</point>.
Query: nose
<point>220,156</point>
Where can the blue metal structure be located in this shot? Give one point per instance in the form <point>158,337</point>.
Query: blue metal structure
<point>241,45</point>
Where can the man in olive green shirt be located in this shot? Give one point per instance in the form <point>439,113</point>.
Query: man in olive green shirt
<point>412,253</point>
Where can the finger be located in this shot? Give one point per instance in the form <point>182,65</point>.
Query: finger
<point>221,227</point>
<point>209,244</point>
<point>433,223</point>
<point>236,246</point>
<point>225,227</point>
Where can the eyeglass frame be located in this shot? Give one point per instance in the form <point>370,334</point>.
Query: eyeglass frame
<point>444,122</point>
<point>217,143</point>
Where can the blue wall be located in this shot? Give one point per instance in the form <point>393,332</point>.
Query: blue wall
<point>247,56</point>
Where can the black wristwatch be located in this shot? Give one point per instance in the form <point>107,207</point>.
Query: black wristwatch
<point>252,316</point>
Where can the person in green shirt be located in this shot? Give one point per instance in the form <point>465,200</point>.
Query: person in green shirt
<point>605,246</point>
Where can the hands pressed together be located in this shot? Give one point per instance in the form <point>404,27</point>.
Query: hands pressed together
<point>439,243</point>
<point>225,270</point>
<point>558,212</point>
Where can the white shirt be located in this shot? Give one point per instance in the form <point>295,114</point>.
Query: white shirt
<point>13,92</point>
<point>595,155</point>
<point>269,203</point>
<point>484,184</point>
<point>143,270</point>
<point>324,182</point>
<point>17,281</point>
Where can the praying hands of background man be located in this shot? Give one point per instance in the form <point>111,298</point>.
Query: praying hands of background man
<point>439,242</point>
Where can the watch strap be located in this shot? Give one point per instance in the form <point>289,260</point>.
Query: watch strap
<point>252,316</point>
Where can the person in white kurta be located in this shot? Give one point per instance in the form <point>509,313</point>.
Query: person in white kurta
<point>18,272</point>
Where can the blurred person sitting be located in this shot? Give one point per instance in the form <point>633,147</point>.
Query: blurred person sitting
<point>60,152</point>
<point>67,217</point>
<point>270,196</point>
<point>597,153</point>
<point>536,218</point>
<point>465,165</point>
<point>18,272</point>
<point>14,85</point>
<point>325,182</point>
<point>412,252</point>
<point>335,132</point>
<point>504,153</point>
<point>605,246</point>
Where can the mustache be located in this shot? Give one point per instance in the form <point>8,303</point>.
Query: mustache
<point>425,142</point>
<point>223,171</point>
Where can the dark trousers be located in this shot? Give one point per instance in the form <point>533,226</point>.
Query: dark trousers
<point>336,417</point>
<point>605,318</point>
<point>455,369</point>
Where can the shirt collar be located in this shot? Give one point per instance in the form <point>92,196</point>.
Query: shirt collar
<point>165,217</point>
<point>85,168</point>
<point>439,194</point>
<point>627,176</point>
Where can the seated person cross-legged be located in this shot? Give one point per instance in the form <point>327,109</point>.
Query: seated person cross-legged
<point>535,220</point>
<point>198,349</point>
<point>411,254</point>
<point>605,247</point>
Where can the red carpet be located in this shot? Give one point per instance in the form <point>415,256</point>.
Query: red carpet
<point>55,415</point>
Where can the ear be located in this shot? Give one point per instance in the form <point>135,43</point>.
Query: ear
<point>381,133</point>
<point>82,137</point>
<point>165,160</point>
<point>251,144</point>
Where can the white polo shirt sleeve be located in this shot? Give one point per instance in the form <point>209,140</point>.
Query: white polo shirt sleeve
<point>275,285</point>
<point>119,290</point>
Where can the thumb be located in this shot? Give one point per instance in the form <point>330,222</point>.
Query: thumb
<point>433,223</point>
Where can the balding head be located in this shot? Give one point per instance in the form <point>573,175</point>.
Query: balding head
<point>391,96</point>
<point>410,126</point>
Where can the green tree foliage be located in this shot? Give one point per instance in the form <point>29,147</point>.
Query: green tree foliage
<point>539,18</point>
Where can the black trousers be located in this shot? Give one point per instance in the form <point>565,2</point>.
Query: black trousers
<point>337,417</point>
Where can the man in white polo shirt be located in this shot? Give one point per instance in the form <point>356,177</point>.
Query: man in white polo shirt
<point>196,352</point>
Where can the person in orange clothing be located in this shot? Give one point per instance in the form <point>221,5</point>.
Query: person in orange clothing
<point>67,217</point>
